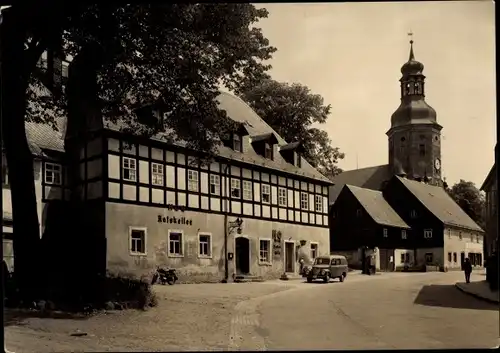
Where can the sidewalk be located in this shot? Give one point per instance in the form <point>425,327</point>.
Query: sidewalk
<point>480,290</point>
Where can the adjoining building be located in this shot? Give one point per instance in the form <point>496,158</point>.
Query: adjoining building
<point>410,186</point>
<point>132,203</point>
<point>490,187</point>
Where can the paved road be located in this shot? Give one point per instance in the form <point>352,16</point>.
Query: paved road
<point>390,311</point>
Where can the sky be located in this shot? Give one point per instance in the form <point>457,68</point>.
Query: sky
<point>351,54</point>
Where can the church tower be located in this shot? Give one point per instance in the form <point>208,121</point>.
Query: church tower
<point>415,135</point>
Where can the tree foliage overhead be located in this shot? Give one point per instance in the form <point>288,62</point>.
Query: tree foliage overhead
<point>171,56</point>
<point>470,199</point>
<point>292,110</point>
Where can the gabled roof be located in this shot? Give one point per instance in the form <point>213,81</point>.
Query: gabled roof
<point>440,204</point>
<point>368,178</point>
<point>377,207</point>
<point>294,146</point>
<point>44,137</point>
<point>491,175</point>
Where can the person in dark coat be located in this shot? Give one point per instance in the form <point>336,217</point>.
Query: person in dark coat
<point>467,270</point>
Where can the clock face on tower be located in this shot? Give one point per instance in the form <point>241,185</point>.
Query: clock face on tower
<point>437,164</point>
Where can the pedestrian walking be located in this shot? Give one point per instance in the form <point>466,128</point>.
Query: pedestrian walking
<point>467,270</point>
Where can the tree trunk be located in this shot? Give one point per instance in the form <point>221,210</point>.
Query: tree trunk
<point>19,157</point>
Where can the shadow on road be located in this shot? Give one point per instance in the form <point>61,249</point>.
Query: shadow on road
<point>18,317</point>
<point>448,296</point>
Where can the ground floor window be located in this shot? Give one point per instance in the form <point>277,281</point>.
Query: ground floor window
<point>205,248</point>
<point>175,243</point>
<point>428,258</point>
<point>264,251</point>
<point>137,241</point>
<point>314,250</point>
<point>454,257</point>
<point>405,257</point>
<point>449,257</point>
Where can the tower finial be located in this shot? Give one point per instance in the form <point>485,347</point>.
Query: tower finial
<point>412,56</point>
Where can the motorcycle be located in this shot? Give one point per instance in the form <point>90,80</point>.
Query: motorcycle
<point>165,276</point>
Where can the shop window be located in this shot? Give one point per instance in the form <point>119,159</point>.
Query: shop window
<point>247,190</point>
<point>193,180</point>
<point>137,241</point>
<point>428,233</point>
<point>205,245</point>
<point>304,201</point>
<point>282,197</point>
<point>264,251</point>
<point>157,174</point>
<point>53,173</point>
<point>214,184</point>
<point>314,250</point>
<point>266,193</point>
<point>235,188</point>
<point>175,247</point>
<point>129,169</point>
<point>319,203</point>
<point>428,258</point>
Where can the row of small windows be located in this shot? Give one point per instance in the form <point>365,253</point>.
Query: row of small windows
<point>236,189</point>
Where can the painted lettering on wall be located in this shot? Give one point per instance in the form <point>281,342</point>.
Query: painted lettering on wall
<point>175,220</point>
<point>276,242</point>
<point>172,207</point>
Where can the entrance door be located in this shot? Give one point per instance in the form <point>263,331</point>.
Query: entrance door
<point>242,254</point>
<point>462,259</point>
<point>289,257</point>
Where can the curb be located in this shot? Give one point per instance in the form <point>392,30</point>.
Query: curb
<point>492,301</point>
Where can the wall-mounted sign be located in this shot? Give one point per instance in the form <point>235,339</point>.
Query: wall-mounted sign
<point>172,207</point>
<point>276,242</point>
<point>175,220</point>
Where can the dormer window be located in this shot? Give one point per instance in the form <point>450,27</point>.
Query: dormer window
<point>299,160</point>
<point>292,153</point>
<point>268,151</point>
<point>237,143</point>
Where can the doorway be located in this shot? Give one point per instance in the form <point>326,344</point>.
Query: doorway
<point>289,257</point>
<point>462,259</point>
<point>242,254</point>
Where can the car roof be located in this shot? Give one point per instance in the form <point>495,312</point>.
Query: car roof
<point>330,257</point>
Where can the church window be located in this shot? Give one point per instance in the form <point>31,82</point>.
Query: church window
<point>418,88</point>
<point>436,138</point>
<point>421,150</point>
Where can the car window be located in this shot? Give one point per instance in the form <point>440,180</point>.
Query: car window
<point>335,261</point>
<point>322,261</point>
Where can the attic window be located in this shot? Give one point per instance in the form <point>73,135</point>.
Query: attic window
<point>299,161</point>
<point>237,146</point>
<point>268,151</point>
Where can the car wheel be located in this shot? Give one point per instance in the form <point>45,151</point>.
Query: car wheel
<point>341,278</point>
<point>309,280</point>
<point>326,278</point>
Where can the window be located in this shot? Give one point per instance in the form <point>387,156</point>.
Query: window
<point>237,146</point>
<point>449,257</point>
<point>477,238</point>
<point>129,169</point>
<point>205,248</point>
<point>319,203</point>
<point>53,173</point>
<point>299,161</point>
<point>214,184</point>
<point>403,258</point>
<point>385,233</point>
<point>268,151</point>
<point>403,234</point>
<point>421,150</point>
<point>460,235</point>
<point>137,241</point>
<point>264,253</point>
<point>413,214</point>
<point>407,257</point>
<point>428,258</point>
<point>359,213</point>
<point>5,175</point>
<point>314,250</point>
<point>454,257</point>
<point>175,243</point>
<point>304,201</point>
<point>449,232</point>
<point>157,174</point>
<point>192,180</point>
<point>282,196</point>
<point>247,190</point>
<point>428,233</point>
<point>266,193</point>
<point>235,188</point>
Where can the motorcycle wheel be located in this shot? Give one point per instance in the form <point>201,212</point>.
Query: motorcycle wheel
<point>171,282</point>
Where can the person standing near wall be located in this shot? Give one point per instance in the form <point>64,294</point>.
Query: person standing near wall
<point>467,270</point>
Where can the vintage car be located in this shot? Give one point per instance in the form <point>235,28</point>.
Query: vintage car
<point>327,267</point>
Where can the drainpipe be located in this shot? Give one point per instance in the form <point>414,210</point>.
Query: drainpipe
<point>226,264</point>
